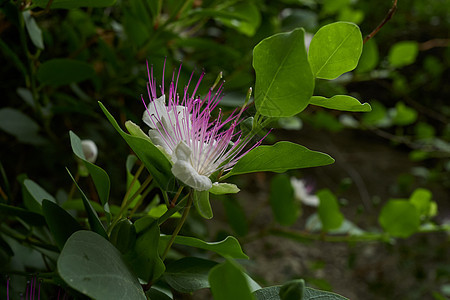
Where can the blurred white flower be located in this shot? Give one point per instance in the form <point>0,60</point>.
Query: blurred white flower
<point>303,192</point>
<point>90,150</point>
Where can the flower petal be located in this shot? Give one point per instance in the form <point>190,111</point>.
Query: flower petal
<point>156,108</point>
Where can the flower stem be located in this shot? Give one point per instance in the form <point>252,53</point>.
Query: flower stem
<point>179,225</point>
<point>136,176</point>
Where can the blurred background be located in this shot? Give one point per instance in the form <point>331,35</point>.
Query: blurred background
<point>57,61</point>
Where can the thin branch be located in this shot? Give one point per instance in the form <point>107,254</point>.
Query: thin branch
<point>385,20</point>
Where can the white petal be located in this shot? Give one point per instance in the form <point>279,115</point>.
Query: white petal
<point>158,140</point>
<point>155,108</point>
<point>184,171</point>
<point>182,152</point>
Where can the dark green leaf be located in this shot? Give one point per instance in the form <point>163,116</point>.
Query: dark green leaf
<point>33,29</point>
<point>329,213</point>
<point>62,71</point>
<point>279,158</point>
<point>293,290</point>
<point>4,246</point>
<point>285,208</point>
<point>399,218</point>
<point>201,202</point>
<point>154,294</point>
<point>236,216</point>
<point>144,257</point>
<point>92,266</point>
<point>284,81</point>
<point>61,224</point>
<point>29,217</point>
<point>272,293</point>
<point>335,49</point>
<point>188,274</point>
<point>404,115</point>
<point>20,125</point>
<point>228,281</point>
<point>69,4</point>
<point>229,247</point>
<point>38,194</point>
<point>93,219</point>
<point>99,176</point>
<point>403,53</point>
<point>155,161</point>
<point>341,102</point>
<point>123,235</point>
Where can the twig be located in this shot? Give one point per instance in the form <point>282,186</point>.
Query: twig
<point>385,20</point>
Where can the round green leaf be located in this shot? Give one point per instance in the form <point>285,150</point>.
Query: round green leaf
<point>335,49</point>
<point>91,265</point>
<point>399,218</point>
<point>62,71</point>
<point>284,81</point>
<point>403,53</point>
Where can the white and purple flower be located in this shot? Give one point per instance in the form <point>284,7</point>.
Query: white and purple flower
<point>197,144</point>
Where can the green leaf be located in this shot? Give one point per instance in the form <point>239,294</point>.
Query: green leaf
<point>153,159</point>
<point>201,202</point>
<point>279,158</point>
<point>99,176</point>
<point>62,71</point>
<point>29,217</point>
<point>33,29</point>
<point>20,125</point>
<point>92,266</point>
<point>285,208</point>
<point>335,49</point>
<point>131,160</point>
<point>224,188</point>
<point>404,115</point>
<point>272,293</point>
<point>403,53</point>
<point>329,213</point>
<point>341,102</point>
<point>144,257</point>
<point>69,4</point>
<point>421,199</point>
<point>243,16</point>
<point>61,224</point>
<point>293,290</point>
<point>123,235</point>
<point>159,210</point>
<point>229,247</point>
<point>38,194</point>
<point>155,294</point>
<point>188,274</point>
<point>369,57</point>
<point>93,219</point>
<point>399,218</point>
<point>228,281</point>
<point>284,81</point>
<point>236,216</point>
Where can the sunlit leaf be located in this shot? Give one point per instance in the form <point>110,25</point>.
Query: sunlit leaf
<point>403,53</point>
<point>94,267</point>
<point>279,158</point>
<point>341,102</point>
<point>369,57</point>
<point>399,218</point>
<point>335,49</point>
<point>284,81</point>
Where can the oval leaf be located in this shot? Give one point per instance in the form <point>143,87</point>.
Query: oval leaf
<point>201,203</point>
<point>62,71</point>
<point>91,265</point>
<point>33,29</point>
<point>284,206</point>
<point>341,102</point>
<point>228,247</point>
<point>279,158</point>
<point>335,49</point>
<point>228,281</point>
<point>329,213</point>
<point>284,81</point>
<point>403,53</point>
<point>61,224</point>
